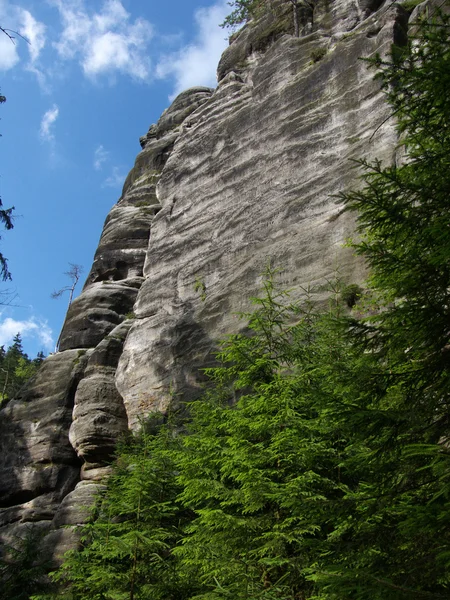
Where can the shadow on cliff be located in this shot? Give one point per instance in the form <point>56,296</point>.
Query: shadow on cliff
<point>13,454</point>
<point>38,466</point>
<point>192,350</point>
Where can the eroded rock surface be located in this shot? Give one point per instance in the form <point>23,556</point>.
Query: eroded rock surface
<point>252,180</point>
<point>227,180</point>
<point>38,466</point>
<point>99,416</point>
<point>58,437</point>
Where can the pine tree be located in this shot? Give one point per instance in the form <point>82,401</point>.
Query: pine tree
<point>126,551</point>
<point>16,368</point>
<point>263,475</point>
<point>22,568</point>
<point>396,543</point>
<point>243,11</point>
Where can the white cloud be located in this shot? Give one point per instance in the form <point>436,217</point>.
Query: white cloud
<point>47,122</point>
<point>196,63</point>
<point>34,32</point>
<point>9,56</point>
<point>21,21</point>
<point>100,157</point>
<point>116,179</point>
<point>32,328</point>
<point>106,42</point>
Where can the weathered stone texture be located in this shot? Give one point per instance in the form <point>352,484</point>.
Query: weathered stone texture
<point>64,425</point>
<point>227,180</point>
<point>99,416</point>
<point>252,179</point>
<point>38,466</point>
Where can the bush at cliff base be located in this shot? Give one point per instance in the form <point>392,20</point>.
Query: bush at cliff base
<point>317,465</point>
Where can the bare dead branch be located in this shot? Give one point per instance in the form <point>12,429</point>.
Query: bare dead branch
<point>9,32</point>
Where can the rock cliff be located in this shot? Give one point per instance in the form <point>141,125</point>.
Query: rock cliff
<point>227,180</point>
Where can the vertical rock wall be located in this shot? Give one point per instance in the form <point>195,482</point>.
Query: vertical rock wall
<point>227,180</point>
<point>252,179</point>
<point>58,436</point>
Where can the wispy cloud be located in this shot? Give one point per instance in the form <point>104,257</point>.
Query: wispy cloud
<point>34,32</point>
<point>9,56</point>
<point>47,122</point>
<point>20,20</point>
<point>100,157</point>
<point>116,179</point>
<point>196,63</point>
<point>32,328</point>
<point>104,42</point>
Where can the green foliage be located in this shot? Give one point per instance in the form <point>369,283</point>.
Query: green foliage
<point>350,294</point>
<point>243,11</point>
<point>22,568</point>
<point>318,53</point>
<point>399,541</point>
<point>256,467</point>
<point>125,551</point>
<point>410,5</point>
<point>16,368</point>
<point>200,286</point>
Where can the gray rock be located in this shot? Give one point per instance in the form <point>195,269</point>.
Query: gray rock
<point>227,180</point>
<point>96,312</point>
<point>76,508</point>
<point>41,461</point>
<point>38,466</point>
<point>124,240</point>
<point>35,454</point>
<point>99,417</point>
<point>253,179</point>
<point>183,105</point>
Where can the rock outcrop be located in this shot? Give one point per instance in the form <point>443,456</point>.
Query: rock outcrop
<point>227,180</point>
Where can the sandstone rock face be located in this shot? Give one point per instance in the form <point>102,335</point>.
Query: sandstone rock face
<point>251,179</point>
<point>57,438</point>
<point>38,466</point>
<point>99,416</point>
<point>226,181</point>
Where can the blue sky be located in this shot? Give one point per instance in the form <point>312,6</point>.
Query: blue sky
<point>94,76</point>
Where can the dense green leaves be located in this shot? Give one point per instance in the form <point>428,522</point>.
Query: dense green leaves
<point>126,551</point>
<point>16,368</point>
<point>22,568</point>
<point>243,11</point>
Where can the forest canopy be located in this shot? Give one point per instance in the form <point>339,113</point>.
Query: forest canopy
<point>16,368</point>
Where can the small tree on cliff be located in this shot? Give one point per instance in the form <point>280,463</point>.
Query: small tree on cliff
<point>74,274</point>
<point>244,10</point>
